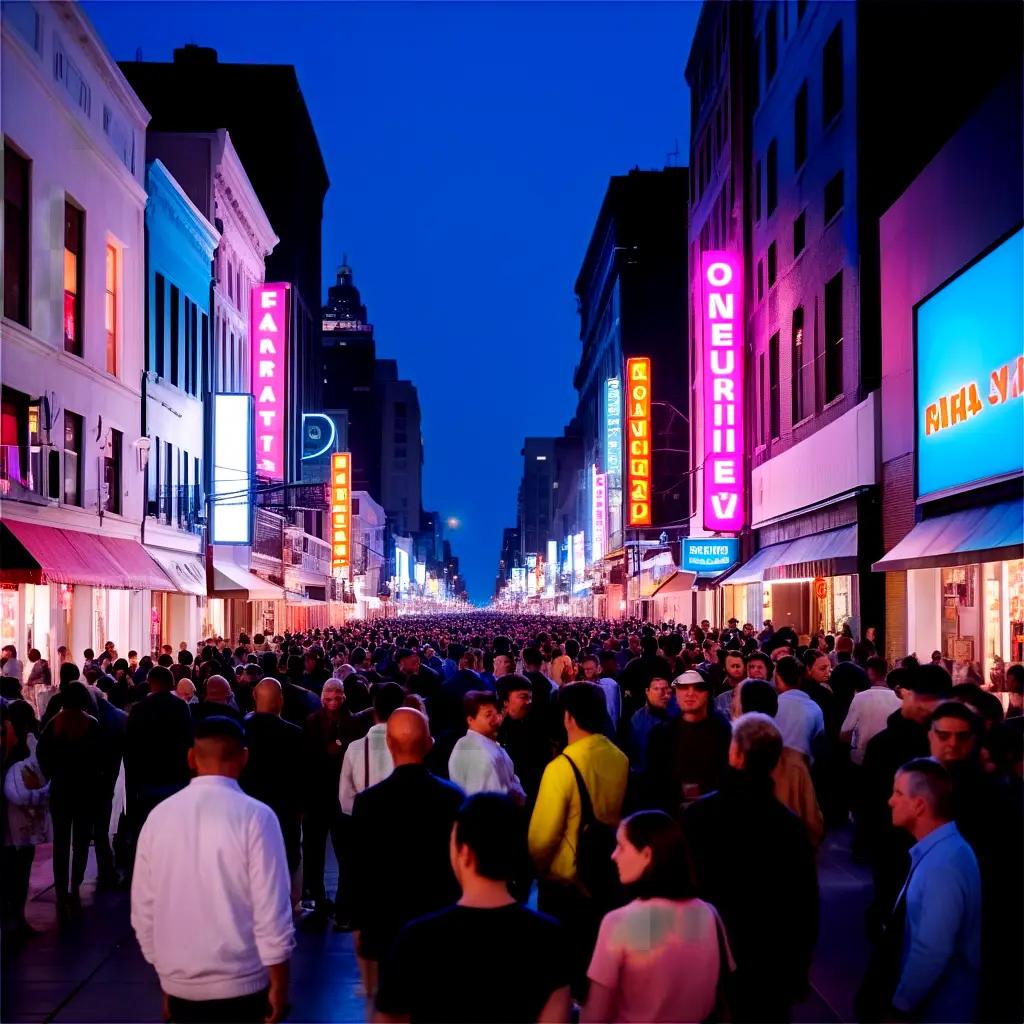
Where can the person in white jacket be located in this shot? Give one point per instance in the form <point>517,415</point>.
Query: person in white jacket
<point>367,760</point>
<point>211,903</point>
<point>478,763</point>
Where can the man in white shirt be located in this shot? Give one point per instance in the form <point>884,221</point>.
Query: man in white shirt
<point>869,711</point>
<point>367,760</point>
<point>612,693</point>
<point>211,903</point>
<point>478,763</point>
<point>799,719</point>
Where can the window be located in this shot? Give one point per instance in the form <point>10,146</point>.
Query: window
<point>774,406</point>
<point>773,265</point>
<point>761,405</point>
<point>771,199</point>
<point>74,245</point>
<point>194,343</point>
<point>204,353</point>
<point>168,482</point>
<point>121,138</point>
<point>832,75</point>
<point>238,287</point>
<point>16,232</point>
<point>73,432</point>
<point>834,196</point>
<point>231,281</point>
<point>24,19</point>
<point>110,310</point>
<point>157,362</point>
<point>175,335</point>
<point>834,338</point>
<point>760,280</point>
<point>112,473</point>
<point>771,46</point>
<point>800,128</point>
<point>153,478</point>
<point>757,191</point>
<point>803,369</point>
<point>186,381</point>
<point>799,234</point>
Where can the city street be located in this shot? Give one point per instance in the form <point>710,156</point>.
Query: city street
<point>94,972</point>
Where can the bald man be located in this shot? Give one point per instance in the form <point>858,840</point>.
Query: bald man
<point>186,690</point>
<point>219,700</point>
<point>276,760</point>
<point>401,829</point>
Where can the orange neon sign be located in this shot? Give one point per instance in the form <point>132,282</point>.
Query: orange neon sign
<point>341,510</point>
<point>638,437</point>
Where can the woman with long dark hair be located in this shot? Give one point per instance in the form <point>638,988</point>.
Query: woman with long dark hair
<point>663,956</point>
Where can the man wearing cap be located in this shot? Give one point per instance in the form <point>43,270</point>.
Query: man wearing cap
<point>220,938</point>
<point>688,756</point>
<point>731,632</point>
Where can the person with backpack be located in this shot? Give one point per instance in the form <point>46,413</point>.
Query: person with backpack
<point>572,828</point>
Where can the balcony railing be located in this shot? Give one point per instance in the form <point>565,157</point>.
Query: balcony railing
<point>30,473</point>
<point>180,506</point>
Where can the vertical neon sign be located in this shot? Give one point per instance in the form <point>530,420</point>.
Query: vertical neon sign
<point>341,510</point>
<point>613,429</point>
<point>723,392</point>
<point>638,435</point>
<point>599,521</point>
<point>268,333</point>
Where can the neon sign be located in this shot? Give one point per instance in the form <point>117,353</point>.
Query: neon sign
<point>230,512</point>
<point>599,521</point>
<point>638,433</point>
<point>268,330</point>
<point>723,392</point>
<point>613,429</point>
<point>341,510</point>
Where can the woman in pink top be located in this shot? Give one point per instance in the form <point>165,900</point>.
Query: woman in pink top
<point>660,957</point>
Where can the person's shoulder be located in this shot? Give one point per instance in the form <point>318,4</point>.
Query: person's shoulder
<point>445,789</point>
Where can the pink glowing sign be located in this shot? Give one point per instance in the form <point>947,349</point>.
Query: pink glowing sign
<point>268,333</point>
<point>722,300</point>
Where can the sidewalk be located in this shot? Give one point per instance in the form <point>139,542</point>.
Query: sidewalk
<point>93,971</point>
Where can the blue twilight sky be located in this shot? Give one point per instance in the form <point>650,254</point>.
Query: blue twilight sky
<point>469,147</point>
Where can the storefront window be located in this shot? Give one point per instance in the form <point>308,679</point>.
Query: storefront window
<point>959,614</point>
<point>9,616</point>
<point>99,618</point>
<point>1015,609</point>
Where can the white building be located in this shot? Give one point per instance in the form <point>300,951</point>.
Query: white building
<point>71,478</point>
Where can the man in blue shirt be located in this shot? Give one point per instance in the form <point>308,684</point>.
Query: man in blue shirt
<point>659,707</point>
<point>940,965</point>
<point>799,719</point>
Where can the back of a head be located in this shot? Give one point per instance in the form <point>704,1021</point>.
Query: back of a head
<point>532,659</point>
<point>669,875</point>
<point>930,680</point>
<point>218,746</point>
<point>758,739</point>
<point>268,696</point>
<point>926,778</point>
<point>185,657</point>
<point>76,697</point>
<point>408,736</point>
<point>218,690</point>
<point>648,645</point>
<point>387,698</point>
<point>586,703</point>
<point>160,679</point>
<point>165,661</point>
<point>268,663</point>
<point>759,695</point>
<point>790,671</point>
<point>68,674</point>
<point>494,828</point>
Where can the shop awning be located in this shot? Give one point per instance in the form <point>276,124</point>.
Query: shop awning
<point>231,581</point>
<point>34,553</point>
<point>678,583</point>
<point>989,534</point>
<point>832,553</point>
<point>186,571</point>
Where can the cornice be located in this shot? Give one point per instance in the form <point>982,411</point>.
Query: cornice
<point>166,195</point>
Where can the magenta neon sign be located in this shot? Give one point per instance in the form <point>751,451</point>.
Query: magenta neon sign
<point>722,299</point>
<point>268,333</point>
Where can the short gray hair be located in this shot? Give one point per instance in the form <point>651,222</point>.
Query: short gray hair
<point>758,739</point>
<point>928,779</point>
<point>332,684</point>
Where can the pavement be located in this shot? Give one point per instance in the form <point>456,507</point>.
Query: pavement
<point>93,971</point>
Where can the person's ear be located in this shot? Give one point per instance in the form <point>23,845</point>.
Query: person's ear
<point>192,760</point>
<point>245,756</point>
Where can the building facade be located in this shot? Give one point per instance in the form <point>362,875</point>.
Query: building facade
<point>180,243</point>
<point>952,443</point>
<point>72,481</point>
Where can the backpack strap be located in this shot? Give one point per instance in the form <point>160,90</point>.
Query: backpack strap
<point>587,816</point>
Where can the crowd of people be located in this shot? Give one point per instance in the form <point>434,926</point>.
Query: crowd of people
<point>658,792</point>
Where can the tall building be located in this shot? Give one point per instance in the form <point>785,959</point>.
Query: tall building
<point>262,107</point>
<point>72,454</point>
<point>537,496</point>
<point>401,462</point>
<point>631,295</point>
<point>791,94</point>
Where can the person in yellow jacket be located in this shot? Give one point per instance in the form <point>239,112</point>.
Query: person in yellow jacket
<point>555,822</point>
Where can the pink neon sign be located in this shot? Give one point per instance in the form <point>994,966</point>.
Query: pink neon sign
<point>722,300</point>
<point>268,333</point>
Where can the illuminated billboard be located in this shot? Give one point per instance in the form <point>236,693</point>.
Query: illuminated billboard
<point>319,435</point>
<point>551,569</point>
<point>638,440</point>
<point>230,511</point>
<point>341,511</point>
<point>969,337</point>
<point>599,515</point>
<point>721,303</point>
<point>268,333</point>
<point>613,430</point>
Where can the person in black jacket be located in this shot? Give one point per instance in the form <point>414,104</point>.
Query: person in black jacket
<point>157,741</point>
<point>274,772</point>
<point>770,916</point>
<point>401,830</point>
<point>904,738</point>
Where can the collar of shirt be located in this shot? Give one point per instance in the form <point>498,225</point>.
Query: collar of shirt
<point>215,780</point>
<point>480,740</point>
<point>799,695</point>
<point>922,847</point>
